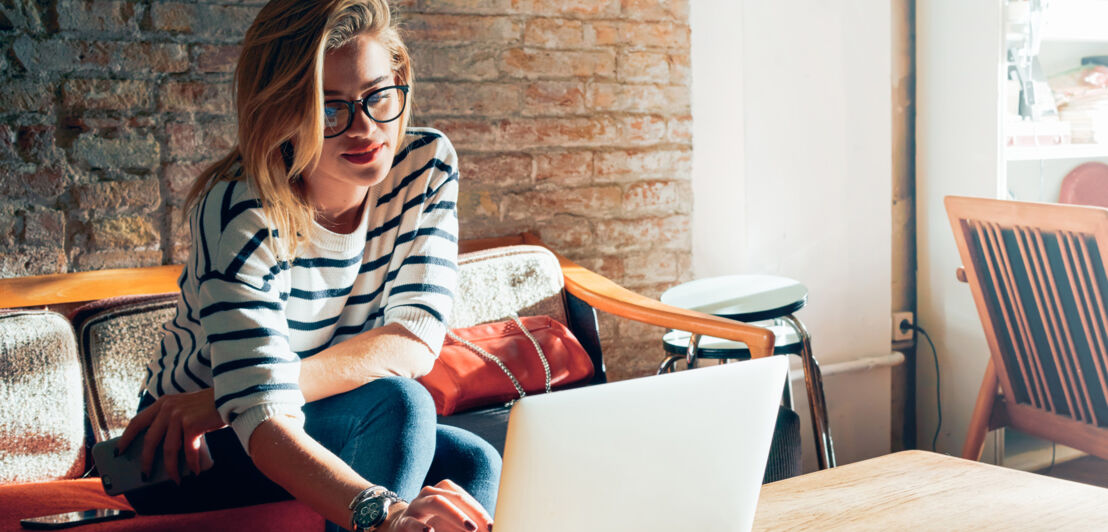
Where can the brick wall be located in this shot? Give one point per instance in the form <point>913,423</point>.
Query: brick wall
<point>571,119</point>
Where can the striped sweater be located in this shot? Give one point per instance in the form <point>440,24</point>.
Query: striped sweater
<point>245,319</point>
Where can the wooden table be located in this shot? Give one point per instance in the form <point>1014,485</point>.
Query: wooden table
<point>918,490</point>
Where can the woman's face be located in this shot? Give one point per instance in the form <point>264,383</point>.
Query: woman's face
<point>362,155</point>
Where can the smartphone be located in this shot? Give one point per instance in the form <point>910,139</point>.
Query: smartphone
<point>71,519</point>
<point>123,473</point>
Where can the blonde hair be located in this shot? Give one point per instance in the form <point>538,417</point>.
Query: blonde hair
<point>279,101</point>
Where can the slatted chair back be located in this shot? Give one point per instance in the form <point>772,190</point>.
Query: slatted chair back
<point>1037,273</point>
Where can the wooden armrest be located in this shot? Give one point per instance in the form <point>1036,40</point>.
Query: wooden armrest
<point>604,294</point>
<point>87,286</point>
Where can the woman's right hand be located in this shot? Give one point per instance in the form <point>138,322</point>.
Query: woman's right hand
<point>444,507</point>
<point>176,421</point>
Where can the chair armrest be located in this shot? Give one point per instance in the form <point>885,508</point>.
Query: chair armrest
<point>604,294</point>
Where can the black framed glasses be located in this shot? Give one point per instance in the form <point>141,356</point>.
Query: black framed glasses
<point>382,105</point>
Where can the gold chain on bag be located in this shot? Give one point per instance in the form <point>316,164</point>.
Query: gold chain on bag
<point>503,367</point>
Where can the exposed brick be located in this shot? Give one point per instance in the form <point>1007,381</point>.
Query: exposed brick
<point>670,232</point>
<point>641,129</point>
<point>544,204</point>
<point>554,98</point>
<point>44,227</point>
<point>657,197</point>
<point>195,142</point>
<point>499,168</point>
<point>179,178</point>
<point>568,168</point>
<point>547,64</point>
<point>647,67</point>
<point>564,132</point>
<point>119,196</point>
<point>179,235</point>
<point>203,20</point>
<point>455,63</point>
<point>120,95</point>
<point>478,203</point>
<point>461,28</point>
<point>485,99</point>
<point>610,266</point>
<point>26,260</point>
<point>654,35</point>
<point>36,144</point>
<point>468,133</point>
<point>44,181</point>
<point>7,143</point>
<point>655,10</point>
<point>128,232</point>
<point>209,58</point>
<point>679,129</point>
<point>631,358</point>
<point>26,95</point>
<point>124,153</point>
<point>99,260</point>
<point>585,8</point>
<point>58,55</point>
<point>639,98</point>
<point>680,69</point>
<point>555,33</point>
<point>100,16</point>
<point>603,33</point>
<point>195,96</point>
<point>567,233</point>
<point>651,267</point>
<point>635,164</point>
<point>468,6</point>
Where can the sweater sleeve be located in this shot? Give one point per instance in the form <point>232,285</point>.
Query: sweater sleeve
<point>422,294</point>
<point>242,299</point>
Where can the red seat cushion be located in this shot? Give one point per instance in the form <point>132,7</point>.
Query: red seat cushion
<point>20,501</point>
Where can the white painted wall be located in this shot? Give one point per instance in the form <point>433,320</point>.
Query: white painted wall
<point>792,170</point>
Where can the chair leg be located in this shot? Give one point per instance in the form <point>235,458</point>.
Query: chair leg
<point>690,354</point>
<point>817,404</point>
<point>669,364</point>
<point>979,421</point>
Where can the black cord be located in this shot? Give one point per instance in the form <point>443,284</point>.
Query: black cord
<point>1053,451</point>
<point>938,387</point>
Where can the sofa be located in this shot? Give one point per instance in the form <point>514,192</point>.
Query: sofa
<point>73,349</point>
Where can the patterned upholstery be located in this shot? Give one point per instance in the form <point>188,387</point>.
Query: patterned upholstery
<point>494,283</point>
<point>42,427</point>
<point>116,337</point>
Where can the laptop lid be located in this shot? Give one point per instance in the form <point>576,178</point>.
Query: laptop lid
<point>683,451</point>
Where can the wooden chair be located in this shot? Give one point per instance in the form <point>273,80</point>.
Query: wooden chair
<point>1037,273</point>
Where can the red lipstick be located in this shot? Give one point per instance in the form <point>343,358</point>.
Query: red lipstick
<point>363,155</point>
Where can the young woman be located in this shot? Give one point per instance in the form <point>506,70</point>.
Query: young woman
<point>320,278</point>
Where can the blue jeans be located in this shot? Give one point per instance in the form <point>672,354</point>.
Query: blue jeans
<point>386,430</point>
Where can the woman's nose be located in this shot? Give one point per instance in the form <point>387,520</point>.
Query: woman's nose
<point>362,124</point>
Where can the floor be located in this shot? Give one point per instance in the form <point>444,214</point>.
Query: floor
<point>1086,469</point>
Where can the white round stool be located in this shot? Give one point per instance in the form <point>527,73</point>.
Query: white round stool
<point>752,298</point>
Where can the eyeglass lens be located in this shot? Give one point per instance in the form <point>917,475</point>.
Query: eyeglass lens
<point>384,105</point>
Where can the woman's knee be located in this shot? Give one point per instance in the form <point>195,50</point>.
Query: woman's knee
<point>402,396</point>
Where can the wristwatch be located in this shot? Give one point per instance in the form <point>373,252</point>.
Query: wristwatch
<point>371,508</point>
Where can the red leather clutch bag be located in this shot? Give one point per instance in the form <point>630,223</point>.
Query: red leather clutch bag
<point>489,364</point>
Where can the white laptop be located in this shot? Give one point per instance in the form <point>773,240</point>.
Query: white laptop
<point>683,451</point>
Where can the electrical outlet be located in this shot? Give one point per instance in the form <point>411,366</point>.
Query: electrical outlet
<point>908,331</point>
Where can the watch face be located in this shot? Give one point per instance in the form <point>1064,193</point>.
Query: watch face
<point>370,513</point>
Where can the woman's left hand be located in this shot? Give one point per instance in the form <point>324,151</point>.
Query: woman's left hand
<point>176,421</point>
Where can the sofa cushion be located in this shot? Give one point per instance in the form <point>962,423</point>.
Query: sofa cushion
<point>42,425</point>
<point>116,337</point>
<point>47,498</point>
<point>494,283</point>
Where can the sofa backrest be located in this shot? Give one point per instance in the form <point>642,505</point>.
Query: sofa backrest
<point>105,350</point>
